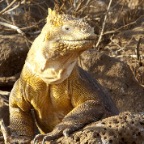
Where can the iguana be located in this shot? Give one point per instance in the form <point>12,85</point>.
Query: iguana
<point>53,91</point>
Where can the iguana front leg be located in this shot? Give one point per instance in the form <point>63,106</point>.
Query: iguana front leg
<point>21,126</point>
<point>81,115</point>
<point>11,137</point>
<point>21,120</point>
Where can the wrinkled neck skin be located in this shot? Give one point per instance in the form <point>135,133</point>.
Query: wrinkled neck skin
<point>51,71</point>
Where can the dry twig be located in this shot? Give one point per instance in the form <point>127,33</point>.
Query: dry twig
<point>11,15</point>
<point>13,27</point>
<point>138,50</point>
<point>5,132</point>
<point>8,80</point>
<point>122,27</point>
<point>13,8</point>
<point>103,25</point>
<point>10,5</point>
<point>5,93</point>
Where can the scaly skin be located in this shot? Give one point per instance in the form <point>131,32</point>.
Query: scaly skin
<point>63,96</point>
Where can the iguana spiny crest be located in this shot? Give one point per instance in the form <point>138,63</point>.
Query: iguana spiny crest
<point>63,39</point>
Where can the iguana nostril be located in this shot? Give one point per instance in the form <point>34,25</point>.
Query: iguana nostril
<point>83,29</point>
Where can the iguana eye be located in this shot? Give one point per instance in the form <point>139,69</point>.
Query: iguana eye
<point>66,28</point>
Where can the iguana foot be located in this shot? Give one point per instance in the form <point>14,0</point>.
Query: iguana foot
<point>56,133</point>
<point>42,138</point>
<point>38,138</point>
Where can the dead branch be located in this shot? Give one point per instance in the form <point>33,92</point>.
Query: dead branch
<point>9,80</point>
<point>103,25</point>
<point>13,27</point>
<point>138,49</point>
<point>5,132</point>
<point>1,1</point>
<point>13,8</point>
<point>5,20</point>
<point>10,5</point>
<point>129,56</point>
<point>27,28</point>
<point>121,48</point>
<point>4,97</point>
<point>11,15</point>
<point>122,27</point>
<point>5,93</point>
<point>139,57</point>
<point>32,26</point>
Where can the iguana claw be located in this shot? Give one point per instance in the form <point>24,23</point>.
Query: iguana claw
<point>38,138</point>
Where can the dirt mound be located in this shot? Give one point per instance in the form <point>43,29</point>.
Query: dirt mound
<point>117,78</point>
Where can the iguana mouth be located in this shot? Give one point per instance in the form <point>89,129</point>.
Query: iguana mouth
<point>78,41</point>
<point>87,39</point>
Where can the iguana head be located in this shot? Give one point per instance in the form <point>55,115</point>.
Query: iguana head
<point>54,52</point>
<point>67,34</point>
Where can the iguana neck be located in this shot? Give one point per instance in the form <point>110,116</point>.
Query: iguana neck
<point>52,71</point>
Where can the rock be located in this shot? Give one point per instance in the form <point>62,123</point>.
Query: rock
<point>13,52</point>
<point>124,128</point>
<point>117,78</point>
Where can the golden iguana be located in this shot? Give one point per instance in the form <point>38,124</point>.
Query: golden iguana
<point>63,97</point>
